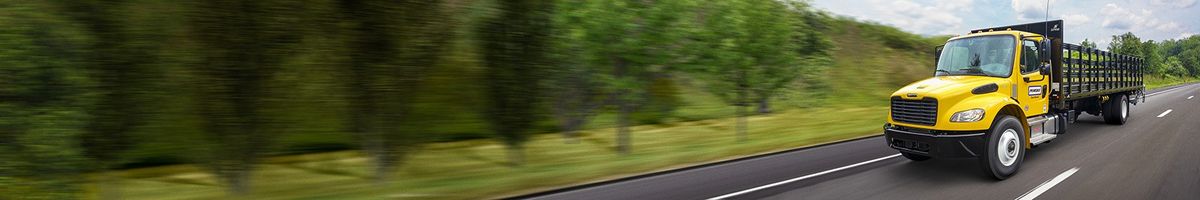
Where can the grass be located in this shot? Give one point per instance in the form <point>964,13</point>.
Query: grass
<point>475,169</point>
<point>1153,82</point>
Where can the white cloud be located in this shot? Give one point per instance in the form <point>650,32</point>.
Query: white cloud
<point>939,17</point>
<point>1118,18</point>
<point>1076,20</point>
<point>1175,3</point>
<point>1030,9</point>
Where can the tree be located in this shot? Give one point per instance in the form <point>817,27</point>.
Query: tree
<point>811,46</point>
<point>573,88</point>
<point>241,44</point>
<point>515,47</point>
<point>1174,67</point>
<point>1088,44</point>
<point>750,52</point>
<point>118,68</point>
<point>391,47</point>
<point>1126,43</point>
<point>1129,44</point>
<point>627,43</point>
<point>43,102</point>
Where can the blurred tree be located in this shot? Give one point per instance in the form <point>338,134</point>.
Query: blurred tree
<point>626,43</point>
<point>515,47</point>
<point>241,44</point>
<point>811,45</point>
<point>1088,44</point>
<point>750,48</point>
<point>392,45</point>
<point>574,87</point>
<point>121,78</point>
<point>42,103</point>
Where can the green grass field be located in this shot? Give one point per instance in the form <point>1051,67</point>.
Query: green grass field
<point>476,168</point>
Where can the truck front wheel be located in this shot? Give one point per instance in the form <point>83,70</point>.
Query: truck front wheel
<point>1005,148</point>
<point>1116,110</point>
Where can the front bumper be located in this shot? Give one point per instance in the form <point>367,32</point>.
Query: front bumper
<point>933,143</point>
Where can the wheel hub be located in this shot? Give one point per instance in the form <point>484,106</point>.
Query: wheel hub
<point>1008,148</point>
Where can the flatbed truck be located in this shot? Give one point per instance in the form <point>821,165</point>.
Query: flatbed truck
<point>998,92</point>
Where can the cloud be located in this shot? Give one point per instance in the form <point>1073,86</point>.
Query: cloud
<point>1175,3</point>
<point>1075,20</point>
<point>1118,18</point>
<point>1030,9</point>
<point>937,18</point>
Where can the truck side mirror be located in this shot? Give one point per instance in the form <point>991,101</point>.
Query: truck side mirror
<point>1044,51</point>
<point>937,54</point>
<point>1045,69</point>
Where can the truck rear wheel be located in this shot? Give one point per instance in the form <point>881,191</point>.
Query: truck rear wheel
<point>915,157</point>
<point>1116,110</point>
<point>1005,148</point>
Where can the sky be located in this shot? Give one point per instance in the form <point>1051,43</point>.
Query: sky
<point>1096,20</point>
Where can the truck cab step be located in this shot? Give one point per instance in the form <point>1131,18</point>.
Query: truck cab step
<point>1041,138</point>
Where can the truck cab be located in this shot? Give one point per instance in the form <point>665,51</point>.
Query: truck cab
<point>994,95</point>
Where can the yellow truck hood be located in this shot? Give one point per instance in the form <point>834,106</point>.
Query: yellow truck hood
<point>948,87</point>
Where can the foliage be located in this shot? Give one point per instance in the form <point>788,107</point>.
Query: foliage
<point>43,100</point>
<point>242,44</point>
<point>1088,44</point>
<point>626,43</point>
<point>515,47</point>
<point>392,45</point>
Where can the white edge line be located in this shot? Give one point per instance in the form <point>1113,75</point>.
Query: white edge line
<point>1165,91</point>
<point>1164,113</point>
<point>803,177</point>
<point>1047,185</point>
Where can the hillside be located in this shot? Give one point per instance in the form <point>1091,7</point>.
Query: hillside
<point>865,70</point>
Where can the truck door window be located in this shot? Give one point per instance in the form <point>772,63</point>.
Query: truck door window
<point>1029,57</point>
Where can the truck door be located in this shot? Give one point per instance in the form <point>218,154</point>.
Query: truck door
<point>1033,88</point>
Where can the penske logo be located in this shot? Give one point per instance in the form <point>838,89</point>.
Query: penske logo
<point>1035,91</point>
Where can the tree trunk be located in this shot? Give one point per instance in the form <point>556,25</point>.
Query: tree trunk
<point>382,157</point>
<point>742,103</point>
<point>240,182</point>
<point>571,130</point>
<point>109,180</point>
<point>623,136</point>
<point>516,155</point>
<point>741,122</point>
<point>764,106</point>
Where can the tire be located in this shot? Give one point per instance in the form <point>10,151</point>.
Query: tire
<point>1005,148</point>
<point>1116,110</point>
<point>915,157</point>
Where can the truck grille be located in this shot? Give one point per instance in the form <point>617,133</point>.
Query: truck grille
<point>922,111</point>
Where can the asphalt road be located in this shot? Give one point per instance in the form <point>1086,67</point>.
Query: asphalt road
<point>1155,155</point>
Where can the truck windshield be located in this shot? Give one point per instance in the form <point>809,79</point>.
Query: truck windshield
<point>983,56</point>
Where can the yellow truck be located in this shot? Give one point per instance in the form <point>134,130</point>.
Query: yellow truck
<point>998,92</point>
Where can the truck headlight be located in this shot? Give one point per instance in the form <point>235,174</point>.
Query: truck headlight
<point>971,115</point>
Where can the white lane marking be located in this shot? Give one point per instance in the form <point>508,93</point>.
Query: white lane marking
<point>1047,185</point>
<point>803,177</point>
<point>1165,91</point>
<point>1164,113</point>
